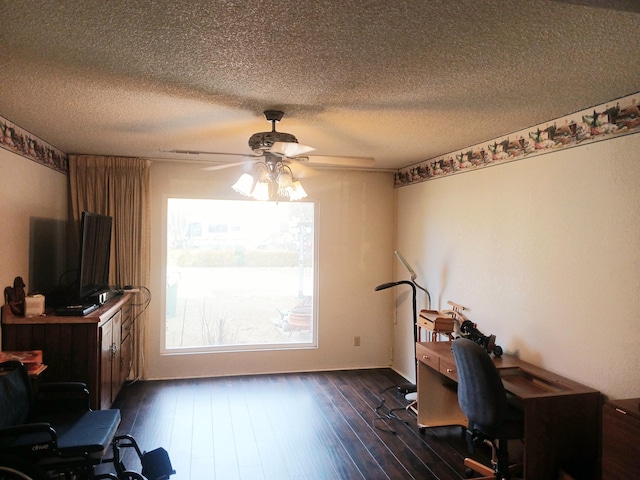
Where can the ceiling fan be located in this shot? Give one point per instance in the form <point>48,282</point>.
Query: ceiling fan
<point>277,146</point>
<point>277,162</point>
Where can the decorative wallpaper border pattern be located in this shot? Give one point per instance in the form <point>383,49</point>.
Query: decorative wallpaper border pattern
<point>603,122</point>
<point>18,140</point>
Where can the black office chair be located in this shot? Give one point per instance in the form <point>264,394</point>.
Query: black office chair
<point>484,401</point>
<point>55,435</point>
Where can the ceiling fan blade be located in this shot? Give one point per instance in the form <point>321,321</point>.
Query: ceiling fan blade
<point>290,149</point>
<point>223,166</point>
<point>301,170</point>
<point>332,161</point>
<point>200,152</point>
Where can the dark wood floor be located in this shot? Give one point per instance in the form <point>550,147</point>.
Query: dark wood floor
<point>288,426</point>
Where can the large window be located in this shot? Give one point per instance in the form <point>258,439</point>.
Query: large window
<point>240,275</point>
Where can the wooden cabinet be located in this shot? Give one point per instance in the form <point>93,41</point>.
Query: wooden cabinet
<point>111,351</point>
<point>620,434</point>
<point>96,349</point>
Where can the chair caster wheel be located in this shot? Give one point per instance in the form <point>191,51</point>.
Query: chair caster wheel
<point>422,430</point>
<point>469,473</point>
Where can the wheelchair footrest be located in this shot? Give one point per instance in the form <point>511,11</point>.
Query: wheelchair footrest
<point>156,464</point>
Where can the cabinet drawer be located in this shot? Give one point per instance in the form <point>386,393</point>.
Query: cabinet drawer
<point>428,357</point>
<point>449,369</point>
<point>620,447</point>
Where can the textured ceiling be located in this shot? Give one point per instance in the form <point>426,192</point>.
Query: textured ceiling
<point>400,81</point>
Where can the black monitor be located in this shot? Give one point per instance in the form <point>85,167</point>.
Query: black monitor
<point>95,254</point>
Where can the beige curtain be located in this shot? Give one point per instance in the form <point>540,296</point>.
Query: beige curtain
<point>119,187</point>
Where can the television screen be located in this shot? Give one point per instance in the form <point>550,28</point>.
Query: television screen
<point>95,252</point>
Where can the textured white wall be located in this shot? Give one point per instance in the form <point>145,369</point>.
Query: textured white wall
<point>354,214</point>
<point>545,253</point>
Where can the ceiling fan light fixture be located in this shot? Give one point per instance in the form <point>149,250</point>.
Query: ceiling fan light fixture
<point>245,185</point>
<point>261,191</point>
<point>296,192</point>
<point>269,181</point>
<point>285,180</point>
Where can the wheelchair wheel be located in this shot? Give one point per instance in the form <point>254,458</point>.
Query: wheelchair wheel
<point>14,469</point>
<point>8,473</point>
<point>128,475</point>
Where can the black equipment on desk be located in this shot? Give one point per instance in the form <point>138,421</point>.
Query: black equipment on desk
<point>469,330</point>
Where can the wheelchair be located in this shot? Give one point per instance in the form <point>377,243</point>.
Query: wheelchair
<point>53,434</point>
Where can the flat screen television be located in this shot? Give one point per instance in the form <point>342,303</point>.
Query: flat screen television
<point>95,253</point>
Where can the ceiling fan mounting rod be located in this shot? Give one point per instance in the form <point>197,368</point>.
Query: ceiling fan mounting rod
<point>273,116</point>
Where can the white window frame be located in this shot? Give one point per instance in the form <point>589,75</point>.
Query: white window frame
<point>312,344</point>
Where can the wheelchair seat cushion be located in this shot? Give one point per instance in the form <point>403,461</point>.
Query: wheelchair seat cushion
<point>90,433</point>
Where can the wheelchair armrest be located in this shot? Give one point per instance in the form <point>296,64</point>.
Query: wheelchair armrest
<point>28,433</point>
<point>63,387</point>
<point>61,397</point>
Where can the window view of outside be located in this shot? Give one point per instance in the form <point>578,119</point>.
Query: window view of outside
<point>239,274</point>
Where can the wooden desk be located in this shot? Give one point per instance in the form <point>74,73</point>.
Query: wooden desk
<point>561,416</point>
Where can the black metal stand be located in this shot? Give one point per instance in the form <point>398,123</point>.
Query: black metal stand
<point>407,387</point>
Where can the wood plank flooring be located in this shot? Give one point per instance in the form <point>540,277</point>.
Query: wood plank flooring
<point>301,426</point>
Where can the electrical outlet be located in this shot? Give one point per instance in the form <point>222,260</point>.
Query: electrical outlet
<point>356,341</point>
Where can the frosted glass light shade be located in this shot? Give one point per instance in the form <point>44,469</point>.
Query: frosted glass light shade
<point>261,191</point>
<point>296,192</point>
<point>244,185</point>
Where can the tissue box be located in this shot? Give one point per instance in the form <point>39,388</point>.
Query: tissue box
<point>34,305</point>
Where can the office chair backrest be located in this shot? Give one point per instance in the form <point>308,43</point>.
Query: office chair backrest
<point>481,394</point>
<point>15,394</point>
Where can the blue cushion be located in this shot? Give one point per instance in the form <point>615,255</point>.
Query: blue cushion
<point>92,432</point>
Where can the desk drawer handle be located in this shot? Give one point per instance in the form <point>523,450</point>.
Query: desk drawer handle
<point>425,357</point>
<point>449,370</point>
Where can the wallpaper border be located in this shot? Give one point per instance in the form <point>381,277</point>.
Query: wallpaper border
<point>603,122</point>
<point>18,140</point>
<point>586,126</point>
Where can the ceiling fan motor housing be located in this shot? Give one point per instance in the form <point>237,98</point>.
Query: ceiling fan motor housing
<point>263,141</point>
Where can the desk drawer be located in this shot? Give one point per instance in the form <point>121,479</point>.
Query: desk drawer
<point>449,369</point>
<point>428,357</point>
